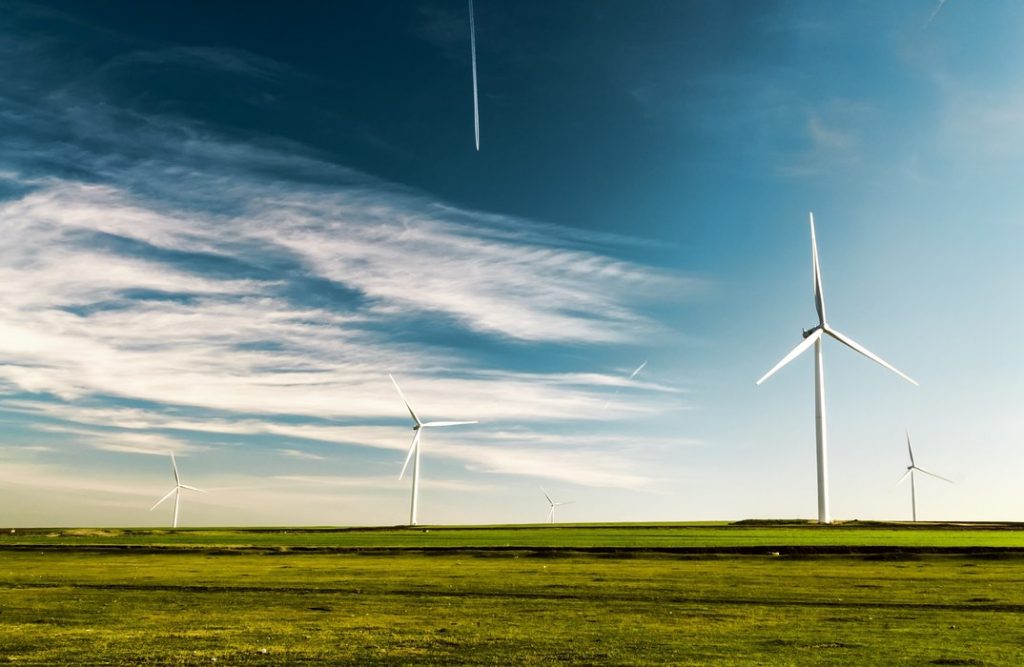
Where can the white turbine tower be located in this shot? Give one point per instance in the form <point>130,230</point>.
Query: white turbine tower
<point>415,448</point>
<point>910,473</point>
<point>814,337</point>
<point>176,491</point>
<point>553,504</point>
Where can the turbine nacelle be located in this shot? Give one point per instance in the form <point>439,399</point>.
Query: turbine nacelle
<point>807,333</point>
<point>913,466</point>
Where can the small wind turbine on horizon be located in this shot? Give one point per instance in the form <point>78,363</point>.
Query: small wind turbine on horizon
<point>814,337</point>
<point>553,504</point>
<point>176,491</point>
<point>910,473</point>
<point>417,427</point>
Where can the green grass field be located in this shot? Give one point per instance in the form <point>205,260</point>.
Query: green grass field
<point>210,599</point>
<point>625,536</point>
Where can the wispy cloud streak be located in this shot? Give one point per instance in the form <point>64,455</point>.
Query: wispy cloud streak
<point>253,288</point>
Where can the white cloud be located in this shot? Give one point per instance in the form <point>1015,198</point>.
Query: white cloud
<point>825,138</point>
<point>240,304</point>
<point>983,124</point>
<point>299,454</point>
<point>371,483</point>
<point>831,139</point>
<point>53,477</point>
<point>605,459</point>
<point>593,467</point>
<point>126,442</point>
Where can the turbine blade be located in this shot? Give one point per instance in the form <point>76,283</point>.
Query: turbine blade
<point>449,423</point>
<point>794,353</point>
<point>905,475</point>
<point>566,502</point>
<point>638,369</point>
<point>169,494</point>
<point>819,296</point>
<point>191,488</point>
<point>857,347</point>
<point>933,475</point>
<point>407,406</point>
<point>552,502</point>
<point>408,457</point>
<point>910,450</point>
<point>174,464</point>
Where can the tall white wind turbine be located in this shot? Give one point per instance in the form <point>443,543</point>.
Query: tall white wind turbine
<point>415,448</point>
<point>553,504</point>
<point>814,337</point>
<point>911,469</point>
<point>176,491</point>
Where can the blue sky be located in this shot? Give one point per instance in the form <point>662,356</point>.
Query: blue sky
<point>226,224</point>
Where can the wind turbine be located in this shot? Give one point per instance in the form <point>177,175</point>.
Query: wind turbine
<point>553,504</point>
<point>910,473</point>
<point>814,337</point>
<point>176,491</point>
<point>415,448</point>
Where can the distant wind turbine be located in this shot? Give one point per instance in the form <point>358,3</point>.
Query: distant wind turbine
<point>553,504</point>
<point>176,491</point>
<point>910,473</point>
<point>630,378</point>
<point>814,337</point>
<point>476,97</point>
<point>415,448</point>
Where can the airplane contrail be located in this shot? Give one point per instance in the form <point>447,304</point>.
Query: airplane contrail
<point>476,97</point>
<point>631,376</point>
<point>927,23</point>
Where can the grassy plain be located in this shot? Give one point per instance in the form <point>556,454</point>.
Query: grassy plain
<point>277,604</point>
<point>614,536</point>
